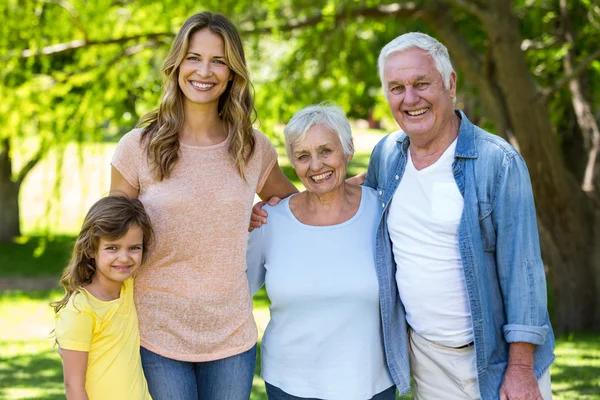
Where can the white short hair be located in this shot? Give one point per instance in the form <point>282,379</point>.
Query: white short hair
<point>437,51</point>
<point>325,114</point>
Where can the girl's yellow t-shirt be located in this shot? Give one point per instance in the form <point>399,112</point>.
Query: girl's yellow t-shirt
<point>108,331</point>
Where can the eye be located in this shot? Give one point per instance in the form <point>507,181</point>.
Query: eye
<point>302,157</point>
<point>396,89</point>
<point>110,248</point>
<point>136,247</point>
<point>326,151</point>
<point>421,85</point>
<point>220,62</point>
<point>192,58</point>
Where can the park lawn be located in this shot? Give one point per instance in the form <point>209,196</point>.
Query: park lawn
<point>31,369</point>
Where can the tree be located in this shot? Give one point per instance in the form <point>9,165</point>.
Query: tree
<point>526,69</point>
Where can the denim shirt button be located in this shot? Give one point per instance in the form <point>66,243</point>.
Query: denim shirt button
<point>383,205</point>
<point>397,177</point>
<point>380,192</point>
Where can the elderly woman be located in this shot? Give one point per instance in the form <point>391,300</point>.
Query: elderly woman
<point>316,258</point>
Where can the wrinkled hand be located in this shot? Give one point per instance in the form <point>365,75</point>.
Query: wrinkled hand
<point>520,383</point>
<point>357,179</point>
<point>259,216</point>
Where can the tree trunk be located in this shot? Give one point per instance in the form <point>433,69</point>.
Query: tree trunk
<point>9,197</point>
<point>565,213</point>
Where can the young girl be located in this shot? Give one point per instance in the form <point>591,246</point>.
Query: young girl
<point>196,165</point>
<point>96,323</point>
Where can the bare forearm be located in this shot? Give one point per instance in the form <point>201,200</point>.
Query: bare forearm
<point>75,392</point>
<point>521,354</point>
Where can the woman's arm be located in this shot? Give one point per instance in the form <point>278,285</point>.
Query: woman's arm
<point>277,185</point>
<point>120,186</point>
<point>74,370</point>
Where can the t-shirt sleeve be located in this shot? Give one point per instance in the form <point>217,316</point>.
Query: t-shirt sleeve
<point>127,157</point>
<point>74,329</point>
<point>268,155</point>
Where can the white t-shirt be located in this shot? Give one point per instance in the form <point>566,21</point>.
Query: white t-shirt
<point>423,224</point>
<point>324,338</point>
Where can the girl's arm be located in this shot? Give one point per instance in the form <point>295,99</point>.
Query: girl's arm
<point>120,186</point>
<point>277,185</point>
<point>74,370</point>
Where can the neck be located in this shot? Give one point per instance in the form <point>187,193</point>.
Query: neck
<point>331,208</point>
<point>437,142</point>
<point>427,151</point>
<point>103,289</point>
<point>201,121</point>
<point>329,200</point>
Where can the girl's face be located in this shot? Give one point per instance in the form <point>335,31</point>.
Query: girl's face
<point>117,260</point>
<point>204,72</point>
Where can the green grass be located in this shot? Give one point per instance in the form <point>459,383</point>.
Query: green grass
<point>31,369</point>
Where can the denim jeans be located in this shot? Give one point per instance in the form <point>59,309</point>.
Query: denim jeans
<point>274,393</point>
<point>226,379</point>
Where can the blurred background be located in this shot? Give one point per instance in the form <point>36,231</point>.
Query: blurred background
<point>76,75</point>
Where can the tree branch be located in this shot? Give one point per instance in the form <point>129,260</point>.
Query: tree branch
<point>72,12</point>
<point>408,9</point>
<point>36,158</point>
<point>577,71</point>
<point>81,43</point>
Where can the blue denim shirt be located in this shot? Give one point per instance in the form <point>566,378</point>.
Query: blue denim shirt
<point>499,247</point>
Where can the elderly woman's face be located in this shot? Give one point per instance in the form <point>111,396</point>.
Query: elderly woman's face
<point>320,161</point>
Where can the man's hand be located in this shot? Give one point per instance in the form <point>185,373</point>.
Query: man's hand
<point>259,216</point>
<point>520,384</point>
<point>519,381</point>
<point>357,179</point>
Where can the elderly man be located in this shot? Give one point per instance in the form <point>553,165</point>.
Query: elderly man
<point>458,239</point>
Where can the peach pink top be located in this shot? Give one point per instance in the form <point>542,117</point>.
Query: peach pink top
<point>192,293</point>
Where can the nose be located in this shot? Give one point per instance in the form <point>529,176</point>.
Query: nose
<point>315,163</point>
<point>204,69</point>
<point>410,95</point>
<point>123,255</point>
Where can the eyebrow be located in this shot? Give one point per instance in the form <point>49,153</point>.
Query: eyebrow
<point>200,55</point>
<point>415,79</point>
<point>318,148</point>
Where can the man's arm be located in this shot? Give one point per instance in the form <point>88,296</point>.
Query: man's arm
<point>521,276</point>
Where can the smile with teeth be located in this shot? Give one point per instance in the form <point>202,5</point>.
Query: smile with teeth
<point>122,268</point>
<point>417,112</point>
<point>199,85</point>
<point>318,178</point>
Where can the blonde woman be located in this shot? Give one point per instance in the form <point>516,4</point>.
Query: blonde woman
<point>196,165</point>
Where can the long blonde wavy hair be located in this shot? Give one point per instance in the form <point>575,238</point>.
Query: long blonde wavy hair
<point>236,107</point>
<point>109,218</point>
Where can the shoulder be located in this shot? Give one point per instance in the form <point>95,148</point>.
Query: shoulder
<point>132,139</point>
<point>77,304</point>
<point>279,209</point>
<point>493,148</point>
<point>261,140</point>
<point>369,194</point>
<point>390,141</point>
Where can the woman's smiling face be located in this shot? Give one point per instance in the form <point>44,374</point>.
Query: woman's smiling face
<point>320,161</point>
<point>204,72</point>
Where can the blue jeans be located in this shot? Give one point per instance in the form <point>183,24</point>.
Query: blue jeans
<point>274,393</point>
<point>226,379</point>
